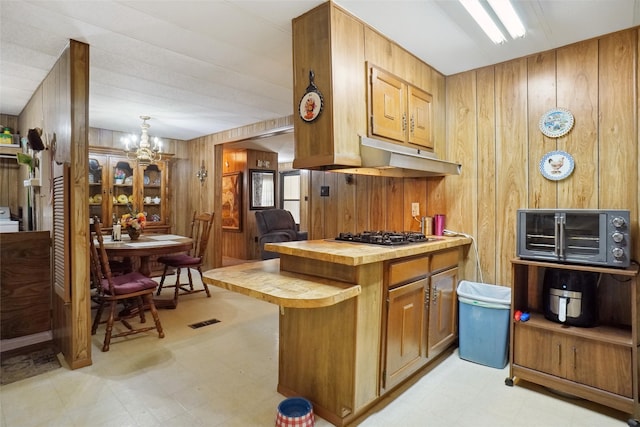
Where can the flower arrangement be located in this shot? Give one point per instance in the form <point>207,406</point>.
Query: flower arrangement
<point>135,221</point>
<point>119,174</point>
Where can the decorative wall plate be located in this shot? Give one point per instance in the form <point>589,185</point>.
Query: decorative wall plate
<point>556,165</point>
<point>556,122</point>
<point>311,103</point>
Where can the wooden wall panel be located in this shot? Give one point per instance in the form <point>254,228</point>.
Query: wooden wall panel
<point>618,113</point>
<point>541,98</point>
<point>60,106</point>
<point>10,182</point>
<point>577,90</point>
<point>461,104</point>
<point>379,204</point>
<point>511,157</point>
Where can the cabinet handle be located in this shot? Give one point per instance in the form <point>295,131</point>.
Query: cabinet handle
<point>404,122</point>
<point>575,358</point>
<point>426,299</point>
<point>435,295</point>
<point>412,125</point>
<point>559,354</point>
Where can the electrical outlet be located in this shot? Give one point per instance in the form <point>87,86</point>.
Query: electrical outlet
<point>415,209</point>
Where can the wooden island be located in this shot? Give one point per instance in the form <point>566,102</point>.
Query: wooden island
<point>356,320</point>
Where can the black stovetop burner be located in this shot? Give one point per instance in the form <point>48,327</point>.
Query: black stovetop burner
<point>384,237</point>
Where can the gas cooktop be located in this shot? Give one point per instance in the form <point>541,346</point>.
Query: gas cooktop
<point>385,237</point>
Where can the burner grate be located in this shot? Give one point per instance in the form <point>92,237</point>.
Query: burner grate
<point>388,238</point>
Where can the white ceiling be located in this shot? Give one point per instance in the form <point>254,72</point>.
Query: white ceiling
<point>204,66</point>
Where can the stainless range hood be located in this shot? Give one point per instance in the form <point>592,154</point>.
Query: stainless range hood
<point>380,158</point>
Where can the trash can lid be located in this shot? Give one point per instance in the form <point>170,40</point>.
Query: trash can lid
<point>484,292</point>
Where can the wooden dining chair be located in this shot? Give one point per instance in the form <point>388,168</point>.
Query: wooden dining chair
<point>200,232</point>
<point>111,290</point>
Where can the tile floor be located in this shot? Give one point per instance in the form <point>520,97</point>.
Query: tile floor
<point>225,374</point>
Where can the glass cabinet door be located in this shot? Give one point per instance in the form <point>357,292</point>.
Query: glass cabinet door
<point>153,194</point>
<point>98,188</point>
<point>123,198</point>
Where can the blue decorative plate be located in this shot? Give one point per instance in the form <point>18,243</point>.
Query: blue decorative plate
<point>556,165</point>
<point>556,122</point>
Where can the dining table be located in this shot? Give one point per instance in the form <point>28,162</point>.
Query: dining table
<point>146,246</point>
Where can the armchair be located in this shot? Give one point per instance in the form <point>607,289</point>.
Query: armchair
<point>276,225</point>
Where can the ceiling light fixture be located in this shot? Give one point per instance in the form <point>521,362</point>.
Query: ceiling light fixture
<point>505,13</point>
<point>143,153</point>
<point>508,16</point>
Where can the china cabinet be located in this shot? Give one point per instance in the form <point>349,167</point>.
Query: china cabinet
<point>119,186</point>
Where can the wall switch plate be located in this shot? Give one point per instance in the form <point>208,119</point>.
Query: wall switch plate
<point>415,209</point>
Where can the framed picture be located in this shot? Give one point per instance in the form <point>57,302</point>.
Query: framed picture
<point>262,189</point>
<point>232,201</point>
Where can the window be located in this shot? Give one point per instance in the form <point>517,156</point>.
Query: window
<point>290,193</point>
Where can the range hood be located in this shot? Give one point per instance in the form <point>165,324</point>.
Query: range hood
<point>380,158</point>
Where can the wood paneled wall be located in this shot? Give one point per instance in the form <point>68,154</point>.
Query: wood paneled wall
<point>492,129</point>
<point>243,243</point>
<point>60,107</point>
<point>9,171</point>
<point>210,148</point>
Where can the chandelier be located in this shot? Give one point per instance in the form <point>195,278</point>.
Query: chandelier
<point>143,153</point>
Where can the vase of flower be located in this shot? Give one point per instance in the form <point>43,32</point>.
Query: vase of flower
<point>134,233</point>
<point>133,223</point>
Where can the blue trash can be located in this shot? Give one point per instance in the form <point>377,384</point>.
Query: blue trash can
<point>484,312</point>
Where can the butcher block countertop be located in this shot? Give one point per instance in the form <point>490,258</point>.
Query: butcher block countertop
<point>349,253</point>
<point>265,280</point>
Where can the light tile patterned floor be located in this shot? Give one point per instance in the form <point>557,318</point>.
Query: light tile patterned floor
<point>225,374</point>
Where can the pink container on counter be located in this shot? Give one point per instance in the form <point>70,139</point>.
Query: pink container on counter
<point>439,221</point>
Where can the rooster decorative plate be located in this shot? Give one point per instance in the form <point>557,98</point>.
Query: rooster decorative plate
<point>556,122</point>
<point>556,165</point>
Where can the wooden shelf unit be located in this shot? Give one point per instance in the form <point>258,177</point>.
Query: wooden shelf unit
<point>600,363</point>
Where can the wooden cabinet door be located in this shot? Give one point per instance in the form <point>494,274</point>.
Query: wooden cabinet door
<point>123,195</point>
<point>539,350</point>
<point>599,364</point>
<point>388,106</point>
<point>404,331</point>
<point>420,117</point>
<point>442,311</point>
<point>99,195</point>
<point>153,193</point>
<point>594,363</point>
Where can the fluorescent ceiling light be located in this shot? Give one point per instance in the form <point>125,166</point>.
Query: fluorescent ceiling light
<point>483,19</point>
<point>507,14</point>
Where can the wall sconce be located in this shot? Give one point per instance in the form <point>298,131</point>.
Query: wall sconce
<point>202,173</point>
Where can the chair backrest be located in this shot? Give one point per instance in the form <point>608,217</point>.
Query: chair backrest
<point>271,220</point>
<point>200,231</point>
<point>101,271</point>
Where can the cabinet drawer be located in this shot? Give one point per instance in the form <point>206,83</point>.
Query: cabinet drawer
<point>443,260</point>
<point>408,270</point>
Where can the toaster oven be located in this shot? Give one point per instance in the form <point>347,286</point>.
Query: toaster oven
<point>581,236</point>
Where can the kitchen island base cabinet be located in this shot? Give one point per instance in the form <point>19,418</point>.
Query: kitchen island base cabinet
<point>599,363</point>
<point>336,331</point>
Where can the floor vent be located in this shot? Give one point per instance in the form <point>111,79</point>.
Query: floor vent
<point>203,323</point>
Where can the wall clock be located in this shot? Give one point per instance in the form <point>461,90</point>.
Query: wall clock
<point>311,103</point>
<point>556,122</point>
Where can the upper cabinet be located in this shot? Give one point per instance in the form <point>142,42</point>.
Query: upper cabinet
<point>399,111</point>
<point>119,186</point>
<point>370,87</point>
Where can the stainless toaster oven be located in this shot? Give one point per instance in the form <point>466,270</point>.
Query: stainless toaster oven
<point>582,236</point>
